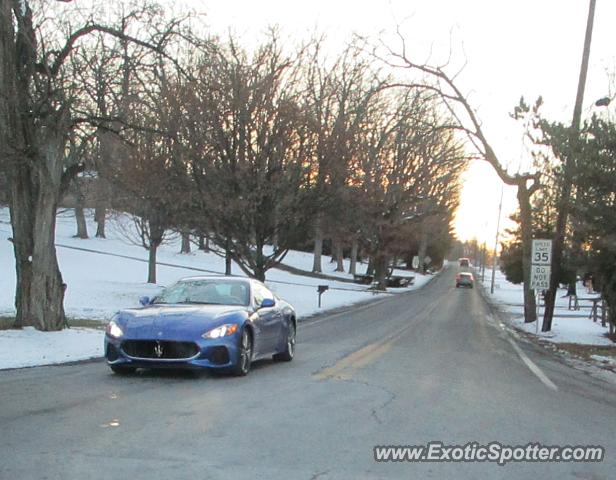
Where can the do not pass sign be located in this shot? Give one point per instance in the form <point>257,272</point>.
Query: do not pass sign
<point>540,277</point>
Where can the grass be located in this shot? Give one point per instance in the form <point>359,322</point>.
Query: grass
<point>585,353</point>
<point>83,322</point>
<point>6,322</point>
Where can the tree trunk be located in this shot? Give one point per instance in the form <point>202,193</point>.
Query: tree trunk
<point>185,248</point>
<point>21,210</point>
<point>80,217</point>
<point>259,271</point>
<point>204,243</point>
<point>423,248</point>
<point>39,294</point>
<point>609,296</point>
<point>339,256</point>
<point>155,236</point>
<point>380,271</point>
<point>276,235</point>
<point>530,306</point>
<point>318,245</point>
<point>152,250</point>
<point>228,261</point>
<point>370,267</point>
<point>353,262</point>
<point>33,145</point>
<point>100,217</point>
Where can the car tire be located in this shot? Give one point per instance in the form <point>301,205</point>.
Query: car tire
<point>244,354</point>
<point>289,351</point>
<point>122,369</point>
<point>457,286</point>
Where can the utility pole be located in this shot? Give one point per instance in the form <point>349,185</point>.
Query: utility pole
<point>565,196</point>
<point>483,262</point>
<point>500,209</point>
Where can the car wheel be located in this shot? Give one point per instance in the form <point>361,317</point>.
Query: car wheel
<point>457,286</point>
<point>289,352</point>
<point>122,369</point>
<point>244,355</point>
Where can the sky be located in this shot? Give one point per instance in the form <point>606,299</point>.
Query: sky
<point>505,50</point>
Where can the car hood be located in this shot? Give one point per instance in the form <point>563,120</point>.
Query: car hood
<point>177,322</point>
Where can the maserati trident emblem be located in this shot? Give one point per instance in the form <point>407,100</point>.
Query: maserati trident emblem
<point>158,350</point>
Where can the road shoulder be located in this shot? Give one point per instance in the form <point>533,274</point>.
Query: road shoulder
<point>578,357</point>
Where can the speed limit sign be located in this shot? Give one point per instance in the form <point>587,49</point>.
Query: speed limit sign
<point>542,252</point>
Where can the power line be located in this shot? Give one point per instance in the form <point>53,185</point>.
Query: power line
<point>215,272</point>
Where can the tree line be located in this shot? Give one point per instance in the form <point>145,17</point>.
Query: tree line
<point>589,248</point>
<point>258,150</point>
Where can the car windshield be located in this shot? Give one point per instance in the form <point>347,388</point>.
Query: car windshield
<point>206,292</point>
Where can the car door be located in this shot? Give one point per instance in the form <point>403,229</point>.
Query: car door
<point>269,320</point>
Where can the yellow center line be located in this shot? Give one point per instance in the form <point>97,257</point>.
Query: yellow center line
<point>344,368</point>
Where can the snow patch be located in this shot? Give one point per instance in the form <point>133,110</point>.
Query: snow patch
<point>29,347</point>
<point>568,326</point>
<point>605,360</point>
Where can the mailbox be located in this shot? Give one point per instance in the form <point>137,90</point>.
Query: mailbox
<point>321,289</point>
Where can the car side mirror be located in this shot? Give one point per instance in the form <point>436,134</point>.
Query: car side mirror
<point>145,301</point>
<point>268,303</point>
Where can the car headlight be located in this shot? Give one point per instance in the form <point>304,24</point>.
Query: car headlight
<point>113,330</point>
<point>222,331</point>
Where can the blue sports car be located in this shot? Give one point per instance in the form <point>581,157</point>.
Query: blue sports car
<point>221,323</point>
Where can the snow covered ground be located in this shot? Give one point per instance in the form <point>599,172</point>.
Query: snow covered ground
<point>105,275</point>
<point>568,326</point>
<point>29,347</point>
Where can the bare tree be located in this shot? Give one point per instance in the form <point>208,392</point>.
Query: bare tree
<point>466,120</point>
<point>151,179</point>
<point>248,153</point>
<point>336,100</point>
<point>408,168</point>
<point>38,111</point>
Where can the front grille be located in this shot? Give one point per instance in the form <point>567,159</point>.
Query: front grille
<point>163,349</point>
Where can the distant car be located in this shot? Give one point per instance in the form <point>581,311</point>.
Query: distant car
<point>464,279</point>
<point>221,323</point>
<point>464,262</point>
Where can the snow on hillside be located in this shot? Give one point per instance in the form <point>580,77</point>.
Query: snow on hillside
<point>568,326</point>
<point>105,275</point>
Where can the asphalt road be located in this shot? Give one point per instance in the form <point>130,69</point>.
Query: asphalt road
<point>431,365</point>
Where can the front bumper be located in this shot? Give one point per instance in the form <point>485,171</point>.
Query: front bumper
<point>161,353</point>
